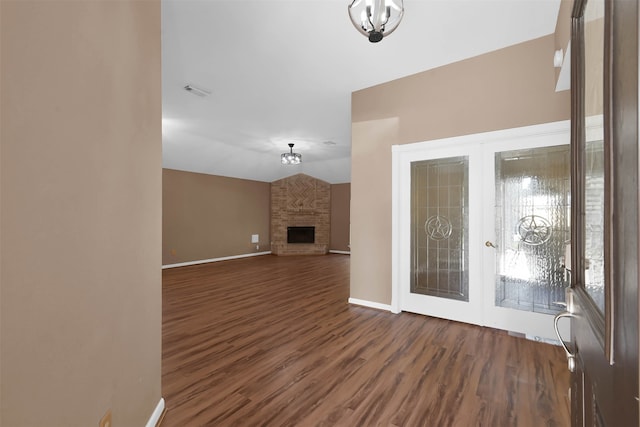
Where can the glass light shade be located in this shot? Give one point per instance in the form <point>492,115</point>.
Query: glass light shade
<point>291,158</point>
<point>376,18</point>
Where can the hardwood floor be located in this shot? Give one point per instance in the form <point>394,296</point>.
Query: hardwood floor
<point>272,341</point>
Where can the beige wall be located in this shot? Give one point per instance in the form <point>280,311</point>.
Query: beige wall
<point>80,225</point>
<point>562,34</point>
<point>371,208</point>
<point>207,216</point>
<point>340,216</point>
<point>508,88</point>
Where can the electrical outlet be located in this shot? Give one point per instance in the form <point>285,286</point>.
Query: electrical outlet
<point>257,247</point>
<point>105,421</point>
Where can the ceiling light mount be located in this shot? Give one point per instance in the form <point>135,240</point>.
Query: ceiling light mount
<point>291,158</point>
<point>376,18</point>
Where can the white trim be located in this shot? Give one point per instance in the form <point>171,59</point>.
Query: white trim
<point>370,304</point>
<point>544,129</point>
<point>204,261</point>
<point>157,413</point>
<point>340,252</point>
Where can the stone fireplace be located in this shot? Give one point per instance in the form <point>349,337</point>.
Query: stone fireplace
<point>300,201</point>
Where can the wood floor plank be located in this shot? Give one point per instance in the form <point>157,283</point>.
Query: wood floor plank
<point>272,341</point>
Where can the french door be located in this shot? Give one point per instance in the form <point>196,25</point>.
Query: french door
<point>481,226</point>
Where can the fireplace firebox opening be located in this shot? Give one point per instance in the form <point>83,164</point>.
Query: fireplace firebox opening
<point>301,234</point>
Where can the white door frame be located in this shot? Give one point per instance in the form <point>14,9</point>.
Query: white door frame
<point>402,155</point>
<point>463,311</point>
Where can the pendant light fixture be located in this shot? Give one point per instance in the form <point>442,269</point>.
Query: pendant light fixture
<point>291,158</point>
<point>376,18</point>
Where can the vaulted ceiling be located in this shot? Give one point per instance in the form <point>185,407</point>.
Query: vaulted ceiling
<point>282,71</point>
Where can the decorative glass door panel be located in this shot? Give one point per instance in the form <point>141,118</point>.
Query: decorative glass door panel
<point>532,189</point>
<point>594,198</point>
<point>593,191</point>
<point>439,228</point>
<point>481,227</point>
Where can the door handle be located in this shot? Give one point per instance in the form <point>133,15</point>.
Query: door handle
<point>571,358</point>
<point>489,244</point>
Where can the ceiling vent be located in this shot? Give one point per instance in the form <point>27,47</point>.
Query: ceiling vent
<point>197,91</point>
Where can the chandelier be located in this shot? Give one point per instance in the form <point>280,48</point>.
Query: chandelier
<point>291,158</point>
<point>376,18</point>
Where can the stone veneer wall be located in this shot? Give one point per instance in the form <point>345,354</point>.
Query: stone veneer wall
<point>300,201</point>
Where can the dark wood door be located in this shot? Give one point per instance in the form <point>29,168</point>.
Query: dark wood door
<point>603,300</point>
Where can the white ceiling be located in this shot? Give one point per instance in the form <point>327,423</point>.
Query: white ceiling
<point>282,71</point>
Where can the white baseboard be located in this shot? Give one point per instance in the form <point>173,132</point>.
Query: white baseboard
<point>371,304</point>
<point>204,261</point>
<point>339,252</point>
<point>157,414</point>
<point>544,340</point>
